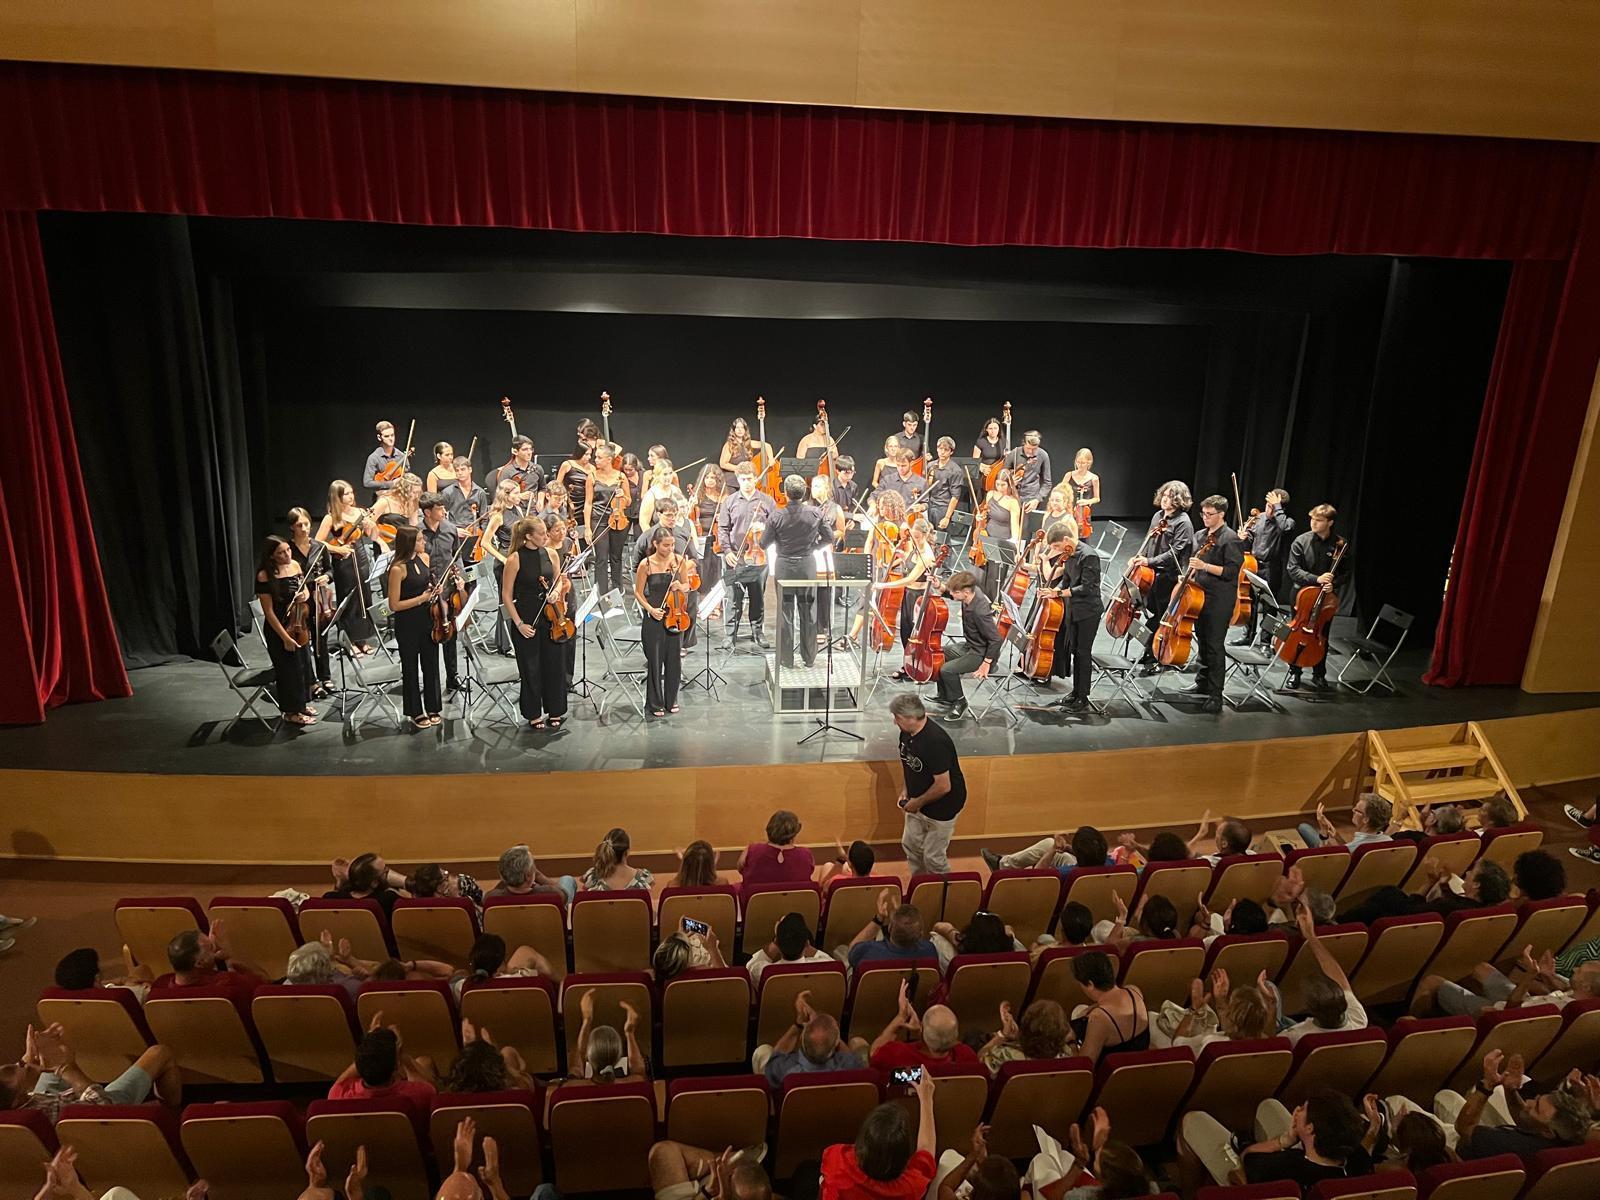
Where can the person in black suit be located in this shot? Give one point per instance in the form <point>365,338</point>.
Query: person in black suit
<point>1216,573</point>
<point>1268,540</point>
<point>1073,571</point>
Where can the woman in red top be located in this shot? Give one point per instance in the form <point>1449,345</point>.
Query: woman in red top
<point>886,1163</point>
<point>778,859</point>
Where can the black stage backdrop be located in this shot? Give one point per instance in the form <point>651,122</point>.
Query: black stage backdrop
<point>222,371</point>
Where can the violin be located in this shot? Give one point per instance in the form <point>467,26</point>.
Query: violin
<point>1044,632</point>
<point>474,534</point>
<point>925,650</point>
<point>978,556</point>
<point>1080,513</point>
<point>618,520</point>
<point>298,627</point>
<point>349,531</point>
<point>396,467</point>
<point>555,609</point>
<point>753,553</point>
<point>450,596</point>
<point>993,473</point>
<point>675,609</point>
<point>1174,637</point>
<point>1305,644</point>
<point>1124,607</point>
<point>1243,604</point>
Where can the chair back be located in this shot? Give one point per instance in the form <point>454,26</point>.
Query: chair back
<point>1163,970</point>
<point>1094,887</point>
<point>1278,1189</point>
<point>1395,946</point>
<point>819,1109</point>
<point>600,1137</point>
<point>261,930</point>
<point>719,1110</point>
<point>782,983</point>
<point>135,1145</point>
<point>511,1118</point>
<point>104,1026</point>
<point>519,1012</point>
<point>1026,900</point>
<point>1472,936</point>
<point>1546,925</point>
<point>1576,1045</point>
<point>851,903</point>
<point>1141,1092</point>
<point>1506,844</point>
<point>539,921</point>
<point>1347,943</point>
<point>1526,1032</point>
<point>362,921</point>
<point>308,1031</point>
<point>718,907</point>
<point>26,1140</point>
<point>206,1033</point>
<point>952,897</point>
<point>1456,851</point>
<point>442,928</point>
<point>705,1018</point>
<point>1323,867</point>
<point>1375,865</point>
<point>253,1151</point>
<point>958,1104</point>
<point>1183,882</point>
<point>1245,956</point>
<point>1232,1076</point>
<point>1049,1093</point>
<point>977,984</point>
<point>1496,1178</point>
<point>422,1010</point>
<point>1343,1059</point>
<point>875,992</point>
<point>147,924</point>
<point>765,904</point>
<point>1385,1185</point>
<point>611,931</point>
<point>610,990</point>
<point>395,1158</point>
<point>1590,928</point>
<point>1569,1173</point>
<point>1244,877</point>
<point>1422,1055</point>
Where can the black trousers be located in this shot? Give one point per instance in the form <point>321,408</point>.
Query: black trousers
<point>908,615</point>
<point>348,577</point>
<point>1211,637</point>
<point>663,660</point>
<point>805,601</point>
<point>502,627</point>
<point>419,663</point>
<point>747,585</point>
<point>293,670</point>
<point>1076,642</point>
<point>542,672</point>
<point>1271,570</point>
<point>964,663</point>
<point>608,544</point>
<point>1156,607</point>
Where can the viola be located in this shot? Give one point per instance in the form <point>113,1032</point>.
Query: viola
<point>753,553</point>
<point>1124,606</point>
<point>1044,632</point>
<point>925,650</point>
<point>555,610</point>
<point>1174,638</point>
<point>396,467</point>
<point>1080,513</point>
<point>348,531</point>
<point>298,626</point>
<point>1305,644</point>
<point>447,605</point>
<point>993,473</point>
<point>675,610</point>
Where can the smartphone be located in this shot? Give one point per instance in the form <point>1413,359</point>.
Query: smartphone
<point>690,925</point>
<point>909,1076</point>
<point>903,801</point>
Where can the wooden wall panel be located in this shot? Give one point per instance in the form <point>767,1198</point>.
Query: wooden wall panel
<point>1506,68</point>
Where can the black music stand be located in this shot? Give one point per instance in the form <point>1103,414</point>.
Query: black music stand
<point>826,563</point>
<point>789,465</point>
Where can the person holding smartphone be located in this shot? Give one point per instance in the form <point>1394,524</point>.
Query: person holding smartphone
<point>891,1158</point>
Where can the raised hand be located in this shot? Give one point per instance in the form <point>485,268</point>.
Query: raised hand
<point>980,1143</point>
<point>586,1005</point>
<point>1220,985</point>
<point>354,1181</point>
<point>631,1022</point>
<point>1100,1124</point>
<point>1008,1023</point>
<point>316,1173</point>
<point>466,1136</point>
<point>803,1011</point>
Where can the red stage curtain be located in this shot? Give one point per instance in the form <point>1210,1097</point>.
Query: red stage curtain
<point>57,643</point>
<point>123,139</point>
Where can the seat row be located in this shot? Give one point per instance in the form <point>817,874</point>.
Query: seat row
<point>615,931</point>
<point>597,1138</point>
<point>1568,1173</point>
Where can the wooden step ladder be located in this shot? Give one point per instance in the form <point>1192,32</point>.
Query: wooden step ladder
<point>1459,767</point>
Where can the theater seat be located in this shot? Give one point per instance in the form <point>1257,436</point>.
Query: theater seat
<point>1163,969</point>
<point>1053,978</point>
<point>851,903</point>
<point>705,1018</point>
<point>718,1110</point>
<point>1245,956</point>
<point>1590,929</point>
<point>104,1026</point>
<point>1497,1178</point>
<point>600,1137</point>
<point>1527,1031</point>
<point>953,897</point>
<point>209,1036</point>
<point>147,924</point>
<point>958,1104</point>
<point>1277,1189</point>
<point>1347,943</point>
<point>781,983</point>
<point>1386,1185</point>
<point>539,921</point>
<point>308,1031</point>
<point>1576,1044</point>
<point>1372,866</point>
<point>1396,948</point>
<point>875,992</point>
<point>248,1151</point>
<point>717,906</point>
<point>510,1117</point>
<point>1141,1092</point>
<point>26,1140</point>
<point>362,921</point>
<point>818,1109</point>
<point>1472,936</point>
<point>1455,851</point>
<point>1026,900</point>
<point>1231,1077</point>
<point>1182,881</point>
<point>423,1010</point>
<point>610,990</point>
<point>611,931</point>
<point>1322,867</point>
<point>442,928</point>
<point>1545,925</point>
<point>1051,1093</point>
<point>135,1145</point>
<point>1567,1173</point>
<point>518,1012</point>
<point>765,904</point>
<point>261,930</point>
<point>1094,887</point>
<point>1423,1054</point>
<point>1342,1060</point>
<point>1504,845</point>
<point>388,1130</point>
<point>977,984</point>
<point>1243,877</point>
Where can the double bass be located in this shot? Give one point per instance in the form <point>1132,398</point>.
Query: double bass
<point>1242,601</point>
<point>1174,637</point>
<point>1124,607</point>
<point>1044,633</point>
<point>920,465</point>
<point>768,479</point>
<point>1305,643</point>
<point>999,464</point>
<point>925,650</point>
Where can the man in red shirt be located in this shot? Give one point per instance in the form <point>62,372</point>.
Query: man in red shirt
<point>938,1036</point>
<point>204,963</point>
<point>384,1071</point>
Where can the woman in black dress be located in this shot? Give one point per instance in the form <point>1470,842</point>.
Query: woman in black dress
<point>347,531</point>
<point>278,584</point>
<point>704,497</point>
<point>409,597</point>
<point>314,561</point>
<point>606,490</point>
<point>532,568</point>
<point>663,571</point>
<point>989,449</point>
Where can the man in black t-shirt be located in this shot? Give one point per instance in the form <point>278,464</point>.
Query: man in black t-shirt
<point>1321,1139</point>
<point>935,790</point>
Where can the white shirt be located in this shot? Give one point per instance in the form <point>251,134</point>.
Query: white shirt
<point>759,962</point>
<point>1355,1017</point>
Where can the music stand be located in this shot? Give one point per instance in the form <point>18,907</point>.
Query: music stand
<point>824,558</point>
<point>463,619</point>
<point>789,465</point>
<point>707,677</point>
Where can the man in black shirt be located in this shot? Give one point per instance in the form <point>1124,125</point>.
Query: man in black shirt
<point>908,437</point>
<point>984,642</point>
<point>1319,1140</point>
<point>1216,573</point>
<point>384,456</point>
<point>1269,542</point>
<point>844,483</point>
<point>1311,565</point>
<point>1559,1117</point>
<point>902,479</point>
<point>934,790</point>
<point>464,500</point>
<point>795,532</point>
<point>529,475</point>
<point>439,541</point>
<point>1033,461</point>
<point>746,581</point>
<point>1168,552</point>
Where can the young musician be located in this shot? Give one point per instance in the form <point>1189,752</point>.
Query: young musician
<point>738,513</point>
<point>464,500</point>
<point>381,458</point>
<point>832,517</point>
<point>278,584</point>
<point>303,546</point>
<point>440,540</point>
<point>670,518</point>
<point>946,483</point>
<point>989,449</point>
<point>915,562</point>
<point>1085,483</point>
<point>533,570</point>
<point>845,492</point>
<point>443,469</point>
<point>1174,546</point>
<point>497,545</point>
<point>663,487</point>
<point>633,471</point>
<point>560,542</point>
<point>983,642</point>
<point>891,453</point>
<point>704,497</point>
<point>572,481</point>
<point>524,472</point>
<point>605,491</point>
<point>739,448</point>
<point>1029,464</point>
<point>657,455</point>
<point>794,533</point>
<point>1217,574</point>
<point>1005,525</point>
<point>1269,542</point>
<point>1072,570</point>
<point>349,562</point>
<point>398,506</point>
<point>1311,565</point>
<point>908,438</point>
<point>886,524</point>
<point>662,572</point>
<point>902,479</point>
<point>817,439</point>
<point>409,596</point>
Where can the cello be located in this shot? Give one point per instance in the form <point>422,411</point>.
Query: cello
<point>999,464</point>
<point>1122,610</point>
<point>1017,587</point>
<point>1305,644</point>
<point>1174,638</point>
<point>1044,632</point>
<point>925,650</point>
<point>398,466</point>
<point>1242,601</point>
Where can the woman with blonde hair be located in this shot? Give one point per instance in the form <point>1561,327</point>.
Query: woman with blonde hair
<point>611,872</point>
<point>350,564</point>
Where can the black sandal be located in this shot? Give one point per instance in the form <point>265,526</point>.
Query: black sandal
<point>536,723</point>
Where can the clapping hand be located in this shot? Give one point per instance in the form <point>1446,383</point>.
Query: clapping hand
<point>980,1143</point>
<point>803,1012</point>
<point>1008,1023</point>
<point>631,1018</point>
<point>357,1177</point>
<point>586,1005</point>
<point>466,1137</point>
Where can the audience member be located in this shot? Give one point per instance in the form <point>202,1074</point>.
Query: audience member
<point>1116,1020</point>
<point>488,960</point>
<point>202,961</point>
<point>611,872</point>
<point>1540,984</point>
<point>460,1184</point>
<point>985,934</point>
<point>520,876</point>
<point>792,942</point>
<point>606,1055</point>
<point>937,1037</point>
<point>365,877</point>
<point>860,859</point>
<point>894,933</point>
<point>1539,875</point>
<point>1330,1001</point>
<point>1486,885</point>
<point>1156,918</point>
<point>313,964</point>
<point>1221,1014</point>
<point>890,1159</point>
<point>47,1078</point>
<point>1321,1140</point>
<point>1075,924</point>
<point>812,1043</point>
<point>1369,818</point>
<point>1043,1033</point>
<point>683,951</point>
<point>384,1071</point>
<point>1497,812</point>
<point>1117,1171</point>
<point>979,1175</point>
<point>1086,848</point>
<point>679,1171</point>
<point>79,970</point>
<point>1231,836</point>
<point>1588,820</point>
<point>484,1067</point>
<point>697,867</point>
<point>778,859</point>
<point>1166,846</point>
<point>431,880</point>
<point>1495,1118</point>
<point>1242,918</point>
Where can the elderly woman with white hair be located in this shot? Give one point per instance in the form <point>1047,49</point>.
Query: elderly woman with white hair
<point>314,963</point>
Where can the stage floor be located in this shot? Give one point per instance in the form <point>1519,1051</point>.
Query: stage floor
<point>177,723</point>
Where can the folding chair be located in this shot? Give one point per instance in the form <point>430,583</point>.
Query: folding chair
<point>1379,653</point>
<point>610,990</point>
<point>875,992</point>
<point>1183,881</point>
<point>1395,947</point>
<point>1507,844</point>
<point>1422,1055</point>
<point>1577,1044</point>
<point>1027,899</point>
<point>1243,877</point>
<point>496,679</point>
<point>537,919</point>
<point>246,1151</point>
<point>1163,970</point>
<point>611,931</point>
<point>1454,850</point>
<point>374,683</point>
<point>1245,956</point>
<point>519,1012</point>
<point>1053,978</point>
<point>1120,668</point>
<point>1095,887</point>
<point>1253,665</point>
<point>246,681</point>
<point>1347,944</point>
<point>765,904</point>
<point>438,927</point>
<point>423,1011</point>
<point>717,906</point>
<point>1109,530</point>
<point>510,1117</point>
<point>958,1104</point>
<point>1524,1033</point>
<point>1544,925</point>
<point>1471,936</point>
<point>1569,1173</point>
<point>362,921</point>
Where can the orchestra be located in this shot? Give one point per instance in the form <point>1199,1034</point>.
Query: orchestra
<point>555,539</point>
